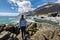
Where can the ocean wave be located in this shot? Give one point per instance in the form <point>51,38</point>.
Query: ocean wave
<point>11,18</point>
<point>29,20</point>
<point>14,21</point>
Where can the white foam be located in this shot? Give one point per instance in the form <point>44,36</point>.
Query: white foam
<point>14,21</point>
<point>29,20</point>
<point>11,18</point>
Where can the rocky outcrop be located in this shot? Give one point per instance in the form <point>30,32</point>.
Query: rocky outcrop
<point>35,31</point>
<point>12,29</point>
<point>4,35</point>
<point>47,32</point>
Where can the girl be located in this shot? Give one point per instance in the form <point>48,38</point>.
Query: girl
<point>22,25</point>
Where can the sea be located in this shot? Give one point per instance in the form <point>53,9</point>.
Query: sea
<point>13,19</point>
<point>9,19</point>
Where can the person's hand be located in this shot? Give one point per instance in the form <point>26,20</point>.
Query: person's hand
<point>19,28</point>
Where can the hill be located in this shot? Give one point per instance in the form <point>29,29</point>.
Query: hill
<point>49,7</point>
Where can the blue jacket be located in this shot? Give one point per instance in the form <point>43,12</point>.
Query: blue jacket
<point>22,23</point>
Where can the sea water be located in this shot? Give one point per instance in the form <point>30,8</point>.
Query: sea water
<point>8,19</point>
<point>13,19</point>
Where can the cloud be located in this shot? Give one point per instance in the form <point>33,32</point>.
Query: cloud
<point>8,14</point>
<point>23,5</point>
<point>58,1</point>
<point>14,1</point>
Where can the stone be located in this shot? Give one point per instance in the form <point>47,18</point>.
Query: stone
<point>2,27</point>
<point>4,35</point>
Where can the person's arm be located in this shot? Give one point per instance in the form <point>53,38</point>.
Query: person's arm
<point>19,24</point>
<point>26,23</point>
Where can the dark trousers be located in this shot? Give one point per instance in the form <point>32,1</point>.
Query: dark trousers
<point>23,30</point>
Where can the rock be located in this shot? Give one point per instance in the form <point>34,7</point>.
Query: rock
<point>12,29</point>
<point>2,27</point>
<point>4,35</point>
<point>13,37</point>
<point>47,32</point>
<point>17,30</point>
<point>56,37</point>
<point>37,37</point>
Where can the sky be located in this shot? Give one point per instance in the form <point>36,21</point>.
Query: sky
<point>20,6</point>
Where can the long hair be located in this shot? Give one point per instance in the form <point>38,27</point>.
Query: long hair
<point>22,17</point>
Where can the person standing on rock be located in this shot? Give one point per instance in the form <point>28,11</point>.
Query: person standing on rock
<point>22,26</point>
